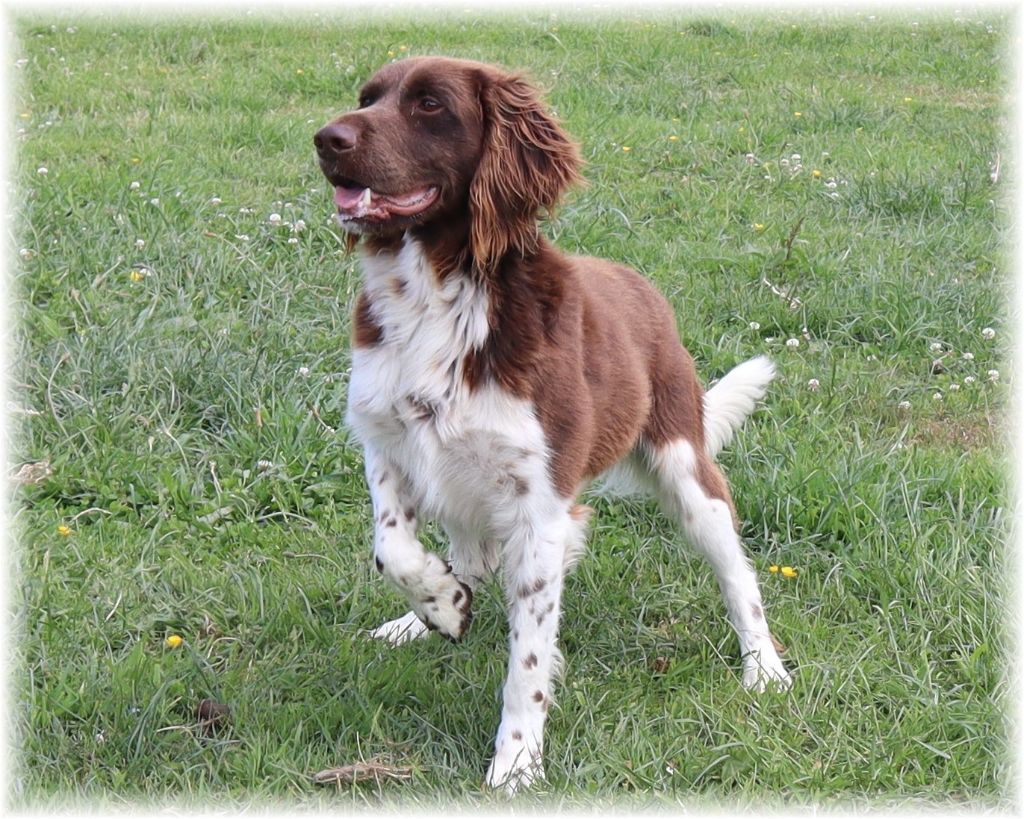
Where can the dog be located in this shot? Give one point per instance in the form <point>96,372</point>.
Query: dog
<point>494,377</point>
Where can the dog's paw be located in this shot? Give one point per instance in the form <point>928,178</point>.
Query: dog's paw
<point>514,767</point>
<point>764,670</point>
<point>447,603</point>
<point>406,628</point>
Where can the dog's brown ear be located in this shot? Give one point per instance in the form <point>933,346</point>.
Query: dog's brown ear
<point>527,162</point>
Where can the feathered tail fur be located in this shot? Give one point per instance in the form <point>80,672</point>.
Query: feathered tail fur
<point>732,399</point>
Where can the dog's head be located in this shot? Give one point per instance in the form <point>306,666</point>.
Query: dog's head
<point>434,139</point>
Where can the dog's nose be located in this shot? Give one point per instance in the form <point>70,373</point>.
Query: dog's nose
<point>335,138</point>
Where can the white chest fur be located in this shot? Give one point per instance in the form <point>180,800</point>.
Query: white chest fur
<point>467,454</point>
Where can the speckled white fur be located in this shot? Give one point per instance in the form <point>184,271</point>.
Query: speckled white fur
<point>476,461</point>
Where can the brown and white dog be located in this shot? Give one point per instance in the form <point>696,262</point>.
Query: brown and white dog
<point>493,376</point>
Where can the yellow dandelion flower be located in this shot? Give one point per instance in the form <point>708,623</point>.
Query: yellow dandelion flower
<point>758,227</point>
<point>299,71</point>
<point>773,569</point>
<point>391,53</point>
<point>908,99</point>
<point>136,275</point>
<point>173,641</point>
<point>788,571</point>
<point>626,149</point>
<point>64,530</point>
<point>673,138</point>
<point>136,160</point>
<point>798,114</point>
<point>816,173</point>
<point>741,130</point>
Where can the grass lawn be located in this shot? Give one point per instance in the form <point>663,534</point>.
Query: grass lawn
<point>833,190</point>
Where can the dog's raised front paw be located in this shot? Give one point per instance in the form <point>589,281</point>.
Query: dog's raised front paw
<point>448,609</point>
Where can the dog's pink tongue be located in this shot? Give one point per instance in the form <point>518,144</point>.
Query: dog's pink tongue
<point>348,198</point>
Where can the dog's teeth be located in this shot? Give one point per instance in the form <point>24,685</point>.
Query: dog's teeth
<point>365,201</point>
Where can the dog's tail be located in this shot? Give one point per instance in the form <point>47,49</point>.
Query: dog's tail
<point>732,399</point>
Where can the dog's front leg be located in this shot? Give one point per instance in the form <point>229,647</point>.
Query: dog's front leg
<point>533,586</point>
<point>438,599</point>
<point>473,560</point>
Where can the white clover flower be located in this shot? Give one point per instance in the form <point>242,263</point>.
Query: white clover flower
<point>969,380</point>
<point>935,347</point>
<point>954,387</point>
<point>154,201</point>
<point>263,465</point>
<point>755,325</point>
<point>140,243</point>
<point>299,225</point>
<point>292,240</point>
<point>274,218</point>
<point>903,405</point>
<point>242,237</point>
<point>988,334</point>
<point>134,186</point>
<point>937,396</point>
<point>304,371</point>
<point>968,356</point>
<point>793,343</point>
<point>42,171</point>
<point>993,375</point>
<point>26,253</point>
<point>215,200</point>
<point>814,385</point>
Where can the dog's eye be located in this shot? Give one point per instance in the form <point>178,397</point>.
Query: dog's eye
<point>428,105</point>
<point>365,100</point>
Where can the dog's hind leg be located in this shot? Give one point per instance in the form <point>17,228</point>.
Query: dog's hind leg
<point>693,491</point>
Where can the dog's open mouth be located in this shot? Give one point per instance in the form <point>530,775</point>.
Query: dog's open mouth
<point>356,202</point>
